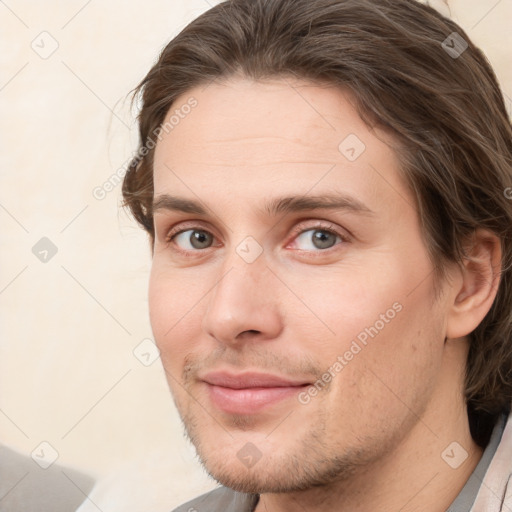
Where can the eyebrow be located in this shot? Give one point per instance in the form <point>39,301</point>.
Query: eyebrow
<point>273,207</point>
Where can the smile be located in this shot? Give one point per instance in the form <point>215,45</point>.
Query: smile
<point>249,393</point>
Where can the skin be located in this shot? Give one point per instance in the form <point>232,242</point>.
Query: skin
<point>373,437</point>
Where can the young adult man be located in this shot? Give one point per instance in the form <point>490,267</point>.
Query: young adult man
<point>324,184</point>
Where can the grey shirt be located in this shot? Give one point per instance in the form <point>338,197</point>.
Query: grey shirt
<point>227,500</point>
<point>464,501</point>
<point>26,487</point>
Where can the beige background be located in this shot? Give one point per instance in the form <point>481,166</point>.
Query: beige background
<point>70,325</point>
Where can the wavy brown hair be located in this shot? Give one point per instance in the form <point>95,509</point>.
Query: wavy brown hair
<point>446,113</point>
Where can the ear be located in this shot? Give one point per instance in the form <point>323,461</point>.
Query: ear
<point>477,284</point>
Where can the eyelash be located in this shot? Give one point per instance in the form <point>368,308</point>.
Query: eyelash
<point>296,232</point>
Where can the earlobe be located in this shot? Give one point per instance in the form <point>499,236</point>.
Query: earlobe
<point>477,288</point>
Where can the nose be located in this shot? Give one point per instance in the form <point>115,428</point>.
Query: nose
<point>243,305</point>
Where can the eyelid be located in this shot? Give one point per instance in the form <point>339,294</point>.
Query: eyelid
<point>320,225</point>
<point>298,229</point>
<point>187,226</point>
<point>184,225</point>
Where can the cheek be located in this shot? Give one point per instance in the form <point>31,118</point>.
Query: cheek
<point>338,305</point>
<point>399,362</point>
<point>380,316</point>
<point>174,310</point>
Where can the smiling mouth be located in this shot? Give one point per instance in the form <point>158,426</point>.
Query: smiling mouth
<point>249,393</point>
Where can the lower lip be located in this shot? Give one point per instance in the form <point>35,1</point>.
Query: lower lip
<point>249,400</point>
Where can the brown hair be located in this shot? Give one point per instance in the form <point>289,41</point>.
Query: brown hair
<point>444,109</point>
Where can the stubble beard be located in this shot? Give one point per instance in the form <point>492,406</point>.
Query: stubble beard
<point>316,458</point>
<point>311,461</point>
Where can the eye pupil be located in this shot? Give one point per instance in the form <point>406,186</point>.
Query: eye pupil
<point>200,239</point>
<point>323,239</point>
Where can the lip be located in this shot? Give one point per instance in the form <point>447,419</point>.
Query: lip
<point>250,392</point>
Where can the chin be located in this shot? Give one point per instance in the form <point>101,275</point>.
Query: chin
<point>279,472</point>
<point>257,480</point>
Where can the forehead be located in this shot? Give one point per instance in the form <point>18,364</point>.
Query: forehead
<point>245,135</point>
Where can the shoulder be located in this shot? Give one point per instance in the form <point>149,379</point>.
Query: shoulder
<point>220,500</point>
<point>27,486</point>
<point>496,489</point>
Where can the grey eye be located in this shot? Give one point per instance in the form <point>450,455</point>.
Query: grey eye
<point>317,239</point>
<point>194,239</point>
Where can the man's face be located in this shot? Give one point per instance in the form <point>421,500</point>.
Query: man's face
<point>300,342</point>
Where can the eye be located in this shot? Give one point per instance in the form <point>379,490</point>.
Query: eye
<point>317,238</point>
<point>192,239</point>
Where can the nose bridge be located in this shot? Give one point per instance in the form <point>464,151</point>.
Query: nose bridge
<point>240,300</point>
<point>243,270</point>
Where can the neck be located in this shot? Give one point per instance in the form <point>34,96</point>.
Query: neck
<point>424,472</point>
<point>415,477</point>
